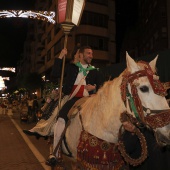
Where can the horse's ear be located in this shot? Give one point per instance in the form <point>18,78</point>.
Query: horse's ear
<point>131,64</point>
<point>153,64</point>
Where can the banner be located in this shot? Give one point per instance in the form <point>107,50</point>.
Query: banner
<point>62,4</point>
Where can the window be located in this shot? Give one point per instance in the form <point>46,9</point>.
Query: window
<point>156,36</point>
<point>102,2</point>
<point>95,19</point>
<point>97,43</point>
<point>155,3</point>
<point>151,47</point>
<point>43,42</point>
<point>49,55</point>
<point>164,32</point>
<point>57,29</point>
<point>49,3</point>
<point>163,12</point>
<point>49,37</point>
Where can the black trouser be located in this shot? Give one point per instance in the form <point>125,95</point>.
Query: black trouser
<point>67,106</point>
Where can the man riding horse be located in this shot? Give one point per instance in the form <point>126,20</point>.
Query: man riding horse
<point>81,79</point>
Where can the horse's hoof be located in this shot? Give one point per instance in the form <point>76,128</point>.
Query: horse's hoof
<point>51,161</point>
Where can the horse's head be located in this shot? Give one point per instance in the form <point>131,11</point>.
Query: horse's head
<point>145,94</point>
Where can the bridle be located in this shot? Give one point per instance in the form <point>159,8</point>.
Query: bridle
<point>134,100</point>
<point>143,116</point>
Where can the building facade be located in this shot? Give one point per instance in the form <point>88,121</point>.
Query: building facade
<point>45,40</point>
<point>151,33</point>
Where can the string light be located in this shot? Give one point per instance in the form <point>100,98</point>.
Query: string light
<point>48,16</point>
<point>2,84</point>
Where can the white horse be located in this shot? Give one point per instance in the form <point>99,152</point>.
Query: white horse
<point>99,120</point>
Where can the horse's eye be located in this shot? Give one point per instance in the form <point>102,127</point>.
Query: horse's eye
<point>144,89</point>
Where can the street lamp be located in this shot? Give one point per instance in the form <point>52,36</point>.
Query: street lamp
<point>69,15</point>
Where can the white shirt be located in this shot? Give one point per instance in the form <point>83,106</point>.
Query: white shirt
<point>80,76</point>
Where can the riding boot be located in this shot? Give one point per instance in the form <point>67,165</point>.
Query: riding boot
<point>58,130</point>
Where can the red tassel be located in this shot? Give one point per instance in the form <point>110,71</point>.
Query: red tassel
<point>59,158</point>
<point>104,159</point>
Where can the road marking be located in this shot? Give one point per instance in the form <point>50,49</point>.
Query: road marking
<point>37,154</point>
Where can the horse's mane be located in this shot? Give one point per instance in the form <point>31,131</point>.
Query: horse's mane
<point>108,96</point>
<point>104,106</point>
<point>100,99</point>
<point>105,96</point>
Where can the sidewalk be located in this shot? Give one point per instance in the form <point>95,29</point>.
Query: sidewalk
<point>15,148</point>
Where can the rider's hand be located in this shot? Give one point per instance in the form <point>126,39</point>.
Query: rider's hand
<point>63,53</point>
<point>90,87</point>
<point>129,126</point>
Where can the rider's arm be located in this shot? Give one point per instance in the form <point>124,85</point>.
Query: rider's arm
<point>57,67</point>
<point>90,87</point>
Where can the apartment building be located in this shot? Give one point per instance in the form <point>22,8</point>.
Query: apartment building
<point>45,40</point>
<point>151,34</point>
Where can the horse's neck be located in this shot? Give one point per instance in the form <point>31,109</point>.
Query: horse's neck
<point>101,112</point>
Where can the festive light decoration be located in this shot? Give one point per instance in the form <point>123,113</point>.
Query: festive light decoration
<point>2,84</point>
<point>48,16</point>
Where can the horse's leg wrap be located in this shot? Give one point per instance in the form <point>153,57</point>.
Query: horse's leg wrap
<point>58,130</point>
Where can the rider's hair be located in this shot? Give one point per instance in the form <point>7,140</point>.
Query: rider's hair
<point>83,48</point>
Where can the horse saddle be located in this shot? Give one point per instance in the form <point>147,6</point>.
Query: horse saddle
<point>76,107</point>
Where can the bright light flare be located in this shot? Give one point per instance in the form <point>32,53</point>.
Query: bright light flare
<point>48,16</point>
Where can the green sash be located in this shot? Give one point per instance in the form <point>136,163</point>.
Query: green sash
<point>84,70</point>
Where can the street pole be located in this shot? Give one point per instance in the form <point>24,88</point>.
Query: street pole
<point>67,28</point>
<point>69,15</point>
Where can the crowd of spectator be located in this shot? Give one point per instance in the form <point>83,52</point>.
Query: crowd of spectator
<point>27,107</point>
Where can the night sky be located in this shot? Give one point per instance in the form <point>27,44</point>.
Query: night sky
<point>126,17</point>
<point>13,30</point>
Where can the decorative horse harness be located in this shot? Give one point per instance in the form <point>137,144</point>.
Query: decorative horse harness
<point>154,119</point>
<point>162,117</point>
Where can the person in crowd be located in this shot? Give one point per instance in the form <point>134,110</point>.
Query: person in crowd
<point>35,104</point>
<point>81,79</point>
<point>44,125</point>
<point>4,107</point>
<point>23,111</point>
<point>30,105</point>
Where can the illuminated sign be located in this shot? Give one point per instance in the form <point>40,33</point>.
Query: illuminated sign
<point>62,10</point>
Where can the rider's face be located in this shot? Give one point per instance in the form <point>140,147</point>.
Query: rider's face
<point>86,57</point>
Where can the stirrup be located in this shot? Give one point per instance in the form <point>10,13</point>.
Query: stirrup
<point>51,161</point>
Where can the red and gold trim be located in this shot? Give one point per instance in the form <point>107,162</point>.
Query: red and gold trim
<point>96,154</point>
